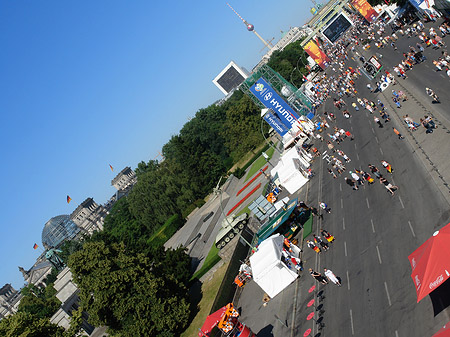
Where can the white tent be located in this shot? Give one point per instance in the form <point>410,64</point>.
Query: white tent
<point>289,170</point>
<point>268,271</point>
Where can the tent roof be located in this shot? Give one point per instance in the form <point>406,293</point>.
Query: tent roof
<point>268,271</point>
<point>211,321</point>
<point>430,263</point>
<point>444,332</point>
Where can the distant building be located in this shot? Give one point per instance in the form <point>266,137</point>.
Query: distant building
<point>9,300</point>
<point>125,179</point>
<point>38,272</point>
<point>57,230</point>
<point>230,78</point>
<point>89,216</point>
<point>294,34</point>
<point>67,293</point>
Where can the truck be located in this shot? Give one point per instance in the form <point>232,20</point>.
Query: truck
<point>230,226</point>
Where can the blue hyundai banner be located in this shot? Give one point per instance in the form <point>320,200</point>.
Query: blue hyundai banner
<point>275,123</point>
<point>270,98</point>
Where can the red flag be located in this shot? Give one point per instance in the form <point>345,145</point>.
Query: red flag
<point>112,169</point>
<point>35,246</point>
<point>68,199</point>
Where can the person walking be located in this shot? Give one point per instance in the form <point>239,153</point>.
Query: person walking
<point>312,245</point>
<point>325,207</point>
<point>375,171</point>
<point>330,171</point>
<point>330,238</point>
<point>318,276</point>
<point>356,177</point>
<point>398,133</point>
<point>351,183</point>
<point>377,120</point>
<point>315,212</point>
<point>330,275</point>
<point>319,241</point>
<point>387,166</point>
<point>391,188</point>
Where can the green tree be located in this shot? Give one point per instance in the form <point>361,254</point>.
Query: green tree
<point>39,302</point>
<point>123,290</point>
<point>24,324</point>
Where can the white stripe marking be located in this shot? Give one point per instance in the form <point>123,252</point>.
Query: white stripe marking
<point>351,321</point>
<point>376,138</point>
<point>387,293</point>
<point>348,281</point>
<point>379,256</point>
<point>381,150</point>
<point>373,227</point>
<point>345,248</point>
<point>367,201</point>
<point>401,201</point>
<point>411,228</point>
<point>343,224</point>
<point>342,203</point>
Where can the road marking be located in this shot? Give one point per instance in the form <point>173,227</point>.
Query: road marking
<point>396,333</point>
<point>345,248</point>
<point>351,321</point>
<point>343,224</point>
<point>367,201</point>
<point>357,156</point>
<point>379,256</point>
<point>426,65</point>
<point>381,150</point>
<point>412,230</point>
<point>348,281</point>
<point>373,228</point>
<point>342,203</point>
<point>441,75</point>
<point>373,131</point>
<point>355,145</point>
<point>401,201</point>
<point>376,138</point>
<point>387,293</point>
<point>351,128</point>
<point>340,187</point>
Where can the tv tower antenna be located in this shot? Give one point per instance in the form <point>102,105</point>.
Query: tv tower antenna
<point>251,28</point>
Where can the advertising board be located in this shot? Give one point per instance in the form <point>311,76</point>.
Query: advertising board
<point>271,100</point>
<point>317,54</point>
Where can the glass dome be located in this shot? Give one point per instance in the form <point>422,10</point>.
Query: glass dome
<point>57,230</point>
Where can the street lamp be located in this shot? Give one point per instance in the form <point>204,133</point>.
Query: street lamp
<point>263,112</point>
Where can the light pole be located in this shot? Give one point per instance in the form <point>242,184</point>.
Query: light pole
<point>263,112</point>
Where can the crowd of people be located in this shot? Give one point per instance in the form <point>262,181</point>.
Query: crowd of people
<point>339,86</point>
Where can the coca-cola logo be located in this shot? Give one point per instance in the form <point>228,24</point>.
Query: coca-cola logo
<point>437,282</point>
<point>417,282</point>
<point>413,262</point>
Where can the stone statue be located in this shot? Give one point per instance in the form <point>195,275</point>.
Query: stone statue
<point>24,273</point>
<point>54,259</point>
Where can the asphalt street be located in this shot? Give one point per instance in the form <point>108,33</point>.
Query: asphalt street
<point>375,232</point>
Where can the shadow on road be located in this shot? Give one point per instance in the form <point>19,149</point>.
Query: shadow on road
<point>440,298</point>
<point>266,332</point>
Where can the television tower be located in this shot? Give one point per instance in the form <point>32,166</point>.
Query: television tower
<point>251,28</point>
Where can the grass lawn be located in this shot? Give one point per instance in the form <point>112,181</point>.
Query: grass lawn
<point>211,259</point>
<point>209,292</point>
<point>259,163</point>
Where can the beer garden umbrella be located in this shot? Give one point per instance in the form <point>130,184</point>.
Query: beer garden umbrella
<point>430,263</point>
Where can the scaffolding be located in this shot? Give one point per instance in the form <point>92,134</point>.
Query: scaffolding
<point>295,97</point>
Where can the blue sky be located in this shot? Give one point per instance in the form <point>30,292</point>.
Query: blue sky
<point>88,84</point>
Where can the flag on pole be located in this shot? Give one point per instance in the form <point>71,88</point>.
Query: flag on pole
<point>112,169</point>
<point>35,246</point>
<point>68,199</point>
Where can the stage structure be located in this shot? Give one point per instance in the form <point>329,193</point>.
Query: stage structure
<point>296,99</point>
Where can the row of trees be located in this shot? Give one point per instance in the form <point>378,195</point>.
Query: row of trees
<point>126,282</point>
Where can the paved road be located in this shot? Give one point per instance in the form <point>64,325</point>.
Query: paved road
<point>375,231</point>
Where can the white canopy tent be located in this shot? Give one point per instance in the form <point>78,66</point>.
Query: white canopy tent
<point>268,271</point>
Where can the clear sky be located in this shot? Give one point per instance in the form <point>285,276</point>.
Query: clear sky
<point>92,83</point>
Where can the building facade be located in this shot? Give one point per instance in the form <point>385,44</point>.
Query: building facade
<point>89,216</point>
<point>9,300</point>
<point>125,179</point>
<point>57,230</point>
